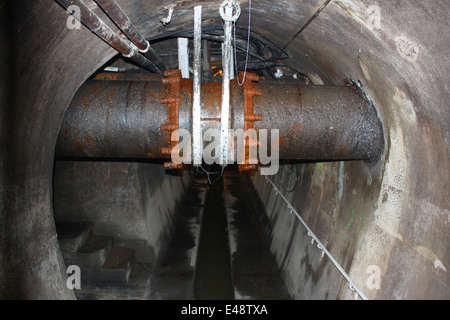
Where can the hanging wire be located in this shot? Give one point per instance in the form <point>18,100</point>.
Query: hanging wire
<point>248,43</point>
<point>314,16</point>
<point>208,173</point>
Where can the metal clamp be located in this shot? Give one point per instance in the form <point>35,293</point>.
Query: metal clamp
<point>231,4</point>
<point>173,99</point>
<point>250,91</point>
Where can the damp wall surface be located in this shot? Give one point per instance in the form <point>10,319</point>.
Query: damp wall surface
<point>404,198</point>
<point>132,202</point>
<point>402,65</point>
<point>343,206</point>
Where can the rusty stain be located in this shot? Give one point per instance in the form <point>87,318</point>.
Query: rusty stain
<point>126,77</point>
<point>211,99</point>
<point>212,119</point>
<point>88,140</point>
<point>172,78</point>
<point>85,101</point>
<point>79,145</point>
<point>106,76</point>
<point>97,88</point>
<point>250,91</point>
<point>109,97</point>
<point>294,127</point>
<point>297,126</point>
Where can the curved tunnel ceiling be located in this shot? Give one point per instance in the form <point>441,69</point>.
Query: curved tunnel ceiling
<point>402,66</point>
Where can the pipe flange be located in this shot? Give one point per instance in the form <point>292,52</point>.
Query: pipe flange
<point>172,78</point>
<point>250,91</point>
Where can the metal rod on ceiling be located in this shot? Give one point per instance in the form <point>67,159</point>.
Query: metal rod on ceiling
<point>123,22</point>
<point>307,23</point>
<point>96,25</point>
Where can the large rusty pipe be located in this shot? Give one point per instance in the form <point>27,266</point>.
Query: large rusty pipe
<point>97,26</point>
<point>120,18</point>
<point>123,119</point>
<point>320,122</point>
<point>112,119</point>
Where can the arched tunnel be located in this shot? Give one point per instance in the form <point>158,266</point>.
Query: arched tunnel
<point>358,92</point>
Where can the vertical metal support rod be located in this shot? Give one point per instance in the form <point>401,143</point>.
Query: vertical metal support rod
<point>183,57</point>
<point>225,114</point>
<point>196,106</point>
<point>231,64</point>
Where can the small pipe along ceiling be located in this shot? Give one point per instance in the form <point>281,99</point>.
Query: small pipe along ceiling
<point>399,61</point>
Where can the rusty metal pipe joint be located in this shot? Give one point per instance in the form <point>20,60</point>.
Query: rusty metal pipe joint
<point>135,118</point>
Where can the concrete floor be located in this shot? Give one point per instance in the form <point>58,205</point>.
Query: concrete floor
<point>217,251</point>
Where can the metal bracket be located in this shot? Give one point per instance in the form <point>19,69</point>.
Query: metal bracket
<point>172,78</point>
<point>226,12</point>
<point>250,91</point>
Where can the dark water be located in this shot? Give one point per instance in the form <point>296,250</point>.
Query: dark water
<point>213,280</point>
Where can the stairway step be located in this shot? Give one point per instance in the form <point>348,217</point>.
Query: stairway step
<point>72,235</point>
<point>119,257</point>
<point>94,279</point>
<point>92,254</point>
<point>96,243</point>
<point>114,272</point>
<point>141,274</point>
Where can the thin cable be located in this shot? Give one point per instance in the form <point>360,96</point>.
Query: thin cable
<point>248,44</point>
<point>208,173</point>
<point>323,6</point>
<point>320,246</point>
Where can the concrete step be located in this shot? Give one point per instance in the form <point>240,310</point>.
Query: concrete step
<point>120,270</point>
<point>92,254</point>
<point>72,235</point>
<point>141,274</point>
<point>118,266</point>
<point>109,268</point>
